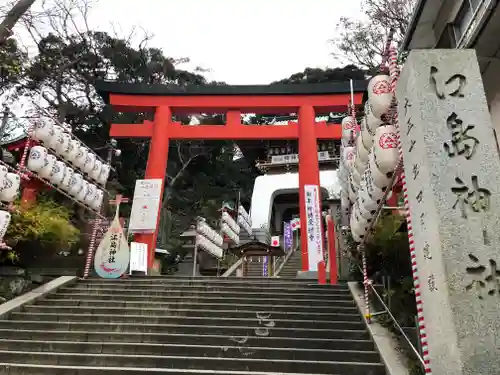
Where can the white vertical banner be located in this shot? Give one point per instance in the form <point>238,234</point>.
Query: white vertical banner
<point>313,226</point>
<point>138,257</point>
<point>145,206</point>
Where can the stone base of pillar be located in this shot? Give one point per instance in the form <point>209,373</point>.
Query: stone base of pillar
<point>310,275</point>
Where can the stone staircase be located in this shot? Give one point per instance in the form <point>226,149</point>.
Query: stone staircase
<point>293,265</point>
<point>187,326</point>
<point>255,268</point>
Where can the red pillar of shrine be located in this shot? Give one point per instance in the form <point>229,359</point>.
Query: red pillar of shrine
<point>308,170</point>
<point>156,169</point>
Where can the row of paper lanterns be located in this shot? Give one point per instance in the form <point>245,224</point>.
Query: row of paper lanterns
<point>244,220</point>
<point>208,239</point>
<point>57,172</point>
<point>230,228</point>
<point>70,150</point>
<point>46,166</point>
<point>369,157</point>
<point>212,242</point>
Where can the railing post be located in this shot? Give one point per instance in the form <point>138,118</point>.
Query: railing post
<point>366,283</point>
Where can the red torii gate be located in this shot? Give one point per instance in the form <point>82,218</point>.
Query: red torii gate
<point>166,100</point>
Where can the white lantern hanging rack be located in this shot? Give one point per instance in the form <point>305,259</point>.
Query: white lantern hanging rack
<point>27,175</point>
<point>85,176</point>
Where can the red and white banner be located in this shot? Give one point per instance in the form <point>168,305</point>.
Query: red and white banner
<point>313,227</point>
<point>295,223</point>
<point>275,241</point>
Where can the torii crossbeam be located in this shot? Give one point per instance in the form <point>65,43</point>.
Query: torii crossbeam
<point>165,101</point>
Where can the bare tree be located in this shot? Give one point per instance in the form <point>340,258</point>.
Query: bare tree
<point>361,41</point>
<point>12,17</point>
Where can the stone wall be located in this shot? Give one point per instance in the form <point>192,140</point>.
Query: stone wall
<point>15,281</point>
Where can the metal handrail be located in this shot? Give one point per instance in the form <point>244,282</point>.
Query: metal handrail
<point>396,324</point>
<point>285,260</point>
<point>233,268</point>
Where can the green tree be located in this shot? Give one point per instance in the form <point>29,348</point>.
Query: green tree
<point>317,75</point>
<point>46,225</point>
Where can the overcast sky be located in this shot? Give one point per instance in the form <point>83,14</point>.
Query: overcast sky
<point>241,42</point>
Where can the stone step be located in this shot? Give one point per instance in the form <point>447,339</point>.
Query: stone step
<point>260,281</point>
<point>115,336</point>
<point>151,361</point>
<point>190,329</point>
<point>264,300</point>
<point>31,369</point>
<point>92,301</point>
<point>230,350</point>
<point>190,320</point>
<point>216,288</point>
<point>207,293</point>
<point>143,312</point>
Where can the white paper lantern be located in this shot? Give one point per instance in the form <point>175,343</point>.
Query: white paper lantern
<point>363,210</point>
<point>57,175</point>
<point>46,171</point>
<point>81,157</point>
<point>75,184</point>
<point>357,231</point>
<point>104,175</point>
<point>365,202</point>
<point>89,162</point>
<point>385,148</point>
<point>372,122</point>
<point>373,191</point>
<point>43,130</point>
<point>71,151</point>
<point>68,175</point>
<point>96,171</point>
<point>4,223</point>
<point>348,155</point>
<point>362,221</point>
<point>91,191</point>
<point>226,218</point>
<point>62,144</point>
<point>379,179</point>
<point>226,229</point>
<point>82,193</point>
<point>351,191</point>
<point>53,140</point>
<point>97,201</point>
<point>356,178</point>
<point>11,186</point>
<point>379,93</point>
<point>366,136</point>
<point>3,174</point>
<point>36,159</point>
<point>209,246</point>
<point>349,125</point>
<point>361,151</point>
<point>342,172</point>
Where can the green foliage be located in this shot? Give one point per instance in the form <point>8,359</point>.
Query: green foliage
<point>317,75</point>
<point>388,255</point>
<point>45,223</point>
<point>11,64</point>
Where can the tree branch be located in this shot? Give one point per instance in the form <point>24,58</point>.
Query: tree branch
<point>12,17</point>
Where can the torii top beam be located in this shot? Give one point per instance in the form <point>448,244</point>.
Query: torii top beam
<point>232,100</point>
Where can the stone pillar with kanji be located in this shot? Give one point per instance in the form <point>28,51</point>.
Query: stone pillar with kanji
<point>452,171</point>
